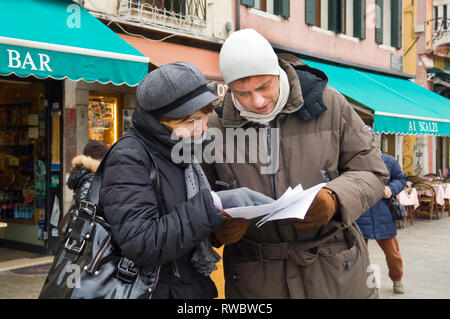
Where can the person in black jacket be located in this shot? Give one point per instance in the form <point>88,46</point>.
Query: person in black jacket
<point>84,167</point>
<point>173,104</point>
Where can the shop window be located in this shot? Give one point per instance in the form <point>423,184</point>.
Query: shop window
<point>22,152</point>
<point>388,144</point>
<point>103,118</point>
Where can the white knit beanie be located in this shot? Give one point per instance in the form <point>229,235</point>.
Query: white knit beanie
<point>247,53</point>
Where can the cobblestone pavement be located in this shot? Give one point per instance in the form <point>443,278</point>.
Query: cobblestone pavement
<point>425,247</point>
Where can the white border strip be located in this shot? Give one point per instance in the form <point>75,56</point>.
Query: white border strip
<point>66,77</point>
<point>74,50</point>
<point>413,117</point>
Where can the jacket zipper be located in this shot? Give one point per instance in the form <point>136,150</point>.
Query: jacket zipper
<point>269,153</point>
<point>100,254</point>
<point>157,277</point>
<point>175,269</point>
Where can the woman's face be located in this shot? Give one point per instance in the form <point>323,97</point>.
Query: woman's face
<point>192,127</point>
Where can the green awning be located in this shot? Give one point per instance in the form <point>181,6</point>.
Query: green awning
<point>443,74</point>
<point>399,105</point>
<point>60,39</point>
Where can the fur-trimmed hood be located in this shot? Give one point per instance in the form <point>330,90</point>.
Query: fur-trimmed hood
<point>83,169</point>
<point>87,161</point>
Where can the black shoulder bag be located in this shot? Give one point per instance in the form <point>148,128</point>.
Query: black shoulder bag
<point>87,265</point>
<point>398,211</point>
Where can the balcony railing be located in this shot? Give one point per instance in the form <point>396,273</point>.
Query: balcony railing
<point>182,15</point>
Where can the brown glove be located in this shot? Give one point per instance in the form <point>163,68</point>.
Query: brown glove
<point>321,210</point>
<point>232,230</point>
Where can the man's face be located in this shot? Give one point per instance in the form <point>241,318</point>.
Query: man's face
<point>257,94</point>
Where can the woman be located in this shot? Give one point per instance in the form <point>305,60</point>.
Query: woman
<point>84,167</point>
<point>173,104</point>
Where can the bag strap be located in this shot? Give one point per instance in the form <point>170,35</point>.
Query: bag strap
<point>92,197</point>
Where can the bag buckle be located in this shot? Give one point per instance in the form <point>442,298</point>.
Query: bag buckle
<point>89,207</point>
<point>74,245</point>
<point>127,270</point>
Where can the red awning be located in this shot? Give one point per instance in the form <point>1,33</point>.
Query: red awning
<point>163,52</point>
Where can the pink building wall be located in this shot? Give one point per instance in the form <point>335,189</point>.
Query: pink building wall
<point>421,46</point>
<point>295,33</point>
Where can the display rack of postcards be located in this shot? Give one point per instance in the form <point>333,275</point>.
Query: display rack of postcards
<point>101,118</point>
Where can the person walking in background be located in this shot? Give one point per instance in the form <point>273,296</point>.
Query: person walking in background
<point>84,167</point>
<point>377,223</point>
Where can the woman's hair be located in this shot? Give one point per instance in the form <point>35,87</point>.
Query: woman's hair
<point>95,149</point>
<point>205,110</point>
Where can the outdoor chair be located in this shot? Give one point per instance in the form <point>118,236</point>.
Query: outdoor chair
<point>427,200</point>
<point>414,179</point>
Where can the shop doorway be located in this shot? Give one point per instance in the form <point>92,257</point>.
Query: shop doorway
<point>30,158</point>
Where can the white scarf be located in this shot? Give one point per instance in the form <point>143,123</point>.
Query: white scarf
<point>279,106</point>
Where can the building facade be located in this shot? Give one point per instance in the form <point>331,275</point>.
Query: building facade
<point>389,37</point>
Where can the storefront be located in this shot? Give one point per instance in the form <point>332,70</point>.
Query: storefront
<point>29,155</point>
<point>46,47</point>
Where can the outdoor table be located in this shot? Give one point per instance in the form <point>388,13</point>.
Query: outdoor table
<point>446,187</point>
<point>409,198</point>
<point>439,189</point>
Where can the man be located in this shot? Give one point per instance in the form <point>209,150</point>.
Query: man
<point>377,223</point>
<point>313,136</point>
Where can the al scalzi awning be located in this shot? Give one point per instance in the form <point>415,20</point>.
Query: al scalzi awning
<point>399,105</point>
<point>59,39</point>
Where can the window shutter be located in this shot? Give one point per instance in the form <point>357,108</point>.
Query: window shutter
<point>359,19</point>
<point>379,22</point>
<point>333,15</point>
<point>435,17</point>
<point>310,12</point>
<point>248,3</point>
<point>396,23</point>
<point>444,16</point>
<point>281,8</point>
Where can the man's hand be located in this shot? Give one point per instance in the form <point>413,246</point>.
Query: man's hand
<point>321,210</point>
<point>387,192</point>
<point>232,230</point>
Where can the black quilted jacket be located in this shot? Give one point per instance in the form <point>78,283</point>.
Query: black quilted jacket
<point>130,207</point>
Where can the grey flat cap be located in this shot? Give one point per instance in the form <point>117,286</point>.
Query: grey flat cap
<point>174,90</point>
